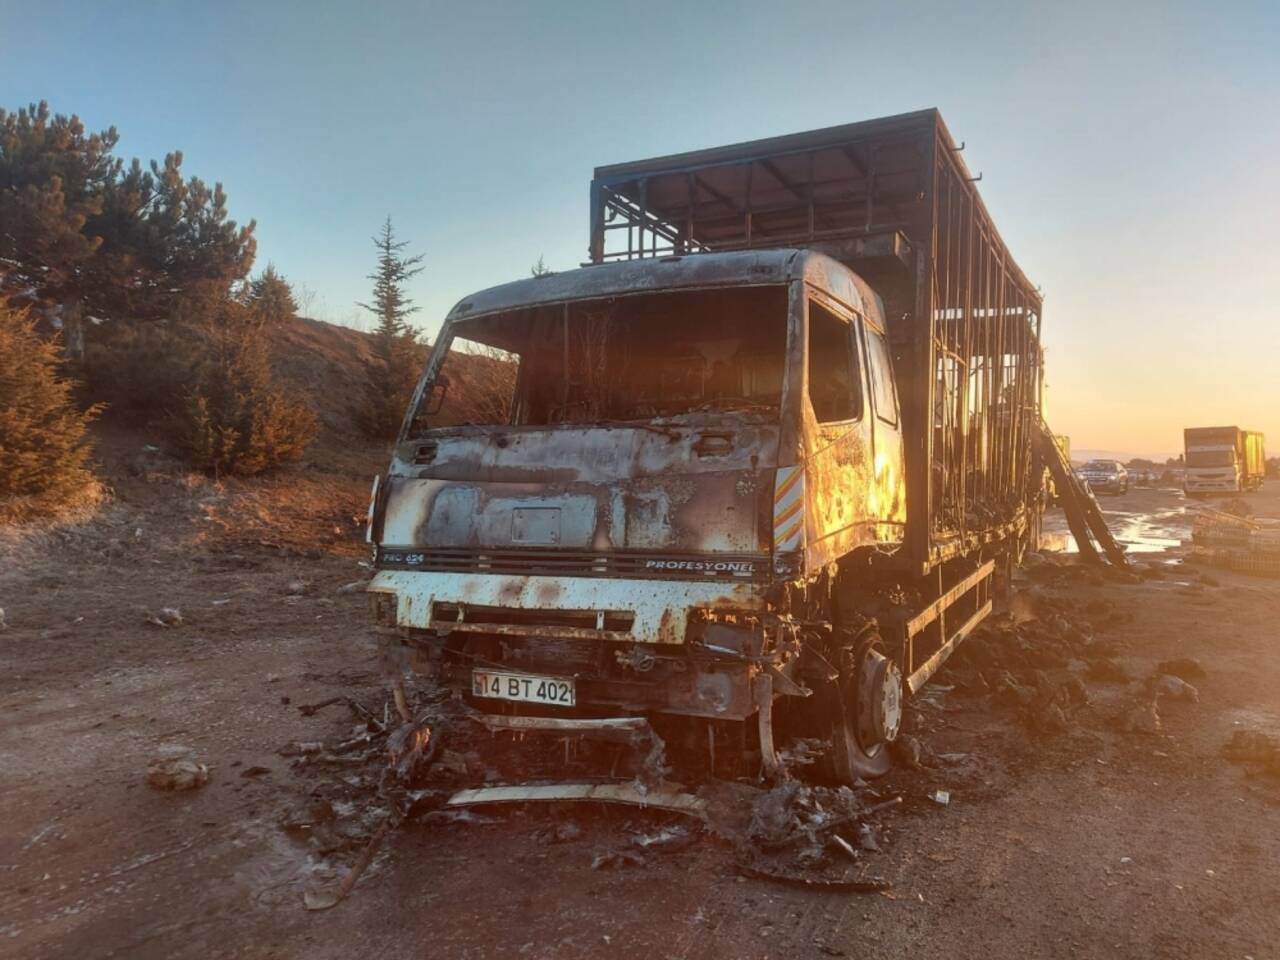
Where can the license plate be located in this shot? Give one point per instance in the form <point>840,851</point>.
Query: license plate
<point>523,687</point>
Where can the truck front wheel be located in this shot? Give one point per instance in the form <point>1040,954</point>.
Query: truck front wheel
<point>861,709</point>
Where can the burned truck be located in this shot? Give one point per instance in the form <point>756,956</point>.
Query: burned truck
<point>750,475</point>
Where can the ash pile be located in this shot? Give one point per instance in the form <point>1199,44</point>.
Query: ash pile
<point>1056,664</point>
<point>446,764</point>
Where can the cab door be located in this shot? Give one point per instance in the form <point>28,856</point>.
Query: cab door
<point>886,493</point>
<point>837,433</point>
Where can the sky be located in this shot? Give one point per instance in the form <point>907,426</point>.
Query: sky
<point>1128,151</point>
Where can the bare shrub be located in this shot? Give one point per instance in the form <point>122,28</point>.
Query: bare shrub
<point>589,363</point>
<point>142,373</point>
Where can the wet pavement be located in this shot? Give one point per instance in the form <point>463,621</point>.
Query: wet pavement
<point>1161,529</point>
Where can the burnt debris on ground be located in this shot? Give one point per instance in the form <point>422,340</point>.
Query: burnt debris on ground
<point>1051,668</point>
<point>382,774</point>
<point>1054,664</point>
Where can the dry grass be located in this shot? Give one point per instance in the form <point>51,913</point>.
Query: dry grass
<point>32,515</point>
<point>23,531</point>
<point>295,514</point>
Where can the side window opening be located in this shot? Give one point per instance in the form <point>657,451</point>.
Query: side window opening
<point>833,383</point>
<point>481,385</point>
<point>878,359</point>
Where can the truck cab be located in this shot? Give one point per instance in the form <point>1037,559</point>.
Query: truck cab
<point>609,522</point>
<point>1212,471</point>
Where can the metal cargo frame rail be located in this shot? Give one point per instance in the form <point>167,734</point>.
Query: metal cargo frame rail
<point>893,199</point>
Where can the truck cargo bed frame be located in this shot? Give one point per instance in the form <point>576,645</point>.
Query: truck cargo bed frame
<point>893,199</point>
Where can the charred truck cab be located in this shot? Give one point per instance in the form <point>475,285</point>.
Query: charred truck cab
<point>711,482</point>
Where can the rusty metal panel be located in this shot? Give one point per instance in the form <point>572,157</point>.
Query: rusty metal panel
<point>664,797</point>
<point>734,269</point>
<point>661,608</point>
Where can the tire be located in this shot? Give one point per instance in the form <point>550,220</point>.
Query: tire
<point>846,713</point>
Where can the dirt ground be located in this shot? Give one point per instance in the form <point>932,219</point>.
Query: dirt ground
<point>1060,840</point>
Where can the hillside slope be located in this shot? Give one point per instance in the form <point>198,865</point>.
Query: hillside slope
<point>313,507</point>
<point>328,367</point>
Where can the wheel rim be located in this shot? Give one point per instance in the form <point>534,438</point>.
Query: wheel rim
<point>878,696</point>
<point>859,727</point>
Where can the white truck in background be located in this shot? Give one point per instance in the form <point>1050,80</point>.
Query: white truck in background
<point>1223,460</point>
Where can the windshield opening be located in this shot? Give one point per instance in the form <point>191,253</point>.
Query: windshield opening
<point>634,358</point>
<point>1211,458</point>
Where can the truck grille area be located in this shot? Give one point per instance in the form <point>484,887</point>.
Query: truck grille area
<point>612,620</point>
<point>570,563</point>
<point>555,657</point>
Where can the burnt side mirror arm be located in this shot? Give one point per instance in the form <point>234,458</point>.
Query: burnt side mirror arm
<point>439,390</point>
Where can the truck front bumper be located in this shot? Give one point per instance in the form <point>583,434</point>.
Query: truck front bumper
<point>1211,486</point>
<point>619,609</point>
<point>628,646</point>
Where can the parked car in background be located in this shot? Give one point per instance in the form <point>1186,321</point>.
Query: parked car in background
<point>1105,476</point>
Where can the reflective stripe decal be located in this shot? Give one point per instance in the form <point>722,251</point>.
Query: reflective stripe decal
<point>789,539</point>
<point>780,519</point>
<point>788,508</point>
<point>788,477</point>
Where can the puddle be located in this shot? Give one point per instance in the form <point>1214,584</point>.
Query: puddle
<point>1144,533</point>
<point>280,869</point>
<point>1058,541</point>
<point>1148,533</point>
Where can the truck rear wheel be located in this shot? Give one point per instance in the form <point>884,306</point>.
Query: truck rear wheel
<point>862,710</point>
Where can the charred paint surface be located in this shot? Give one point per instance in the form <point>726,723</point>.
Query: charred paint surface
<point>842,500</point>
<point>854,481</point>
<point>586,488</point>
<point>661,609</point>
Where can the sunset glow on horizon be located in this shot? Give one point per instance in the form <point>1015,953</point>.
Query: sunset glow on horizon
<point>1126,153</point>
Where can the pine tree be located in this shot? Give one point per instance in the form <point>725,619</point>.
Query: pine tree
<point>199,248</point>
<point>44,450</point>
<point>540,268</point>
<point>390,305</point>
<point>53,177</point>
<point>396,343</point>
<point>84,235</point>
<point>235,419</point>
<point>271,298</point>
